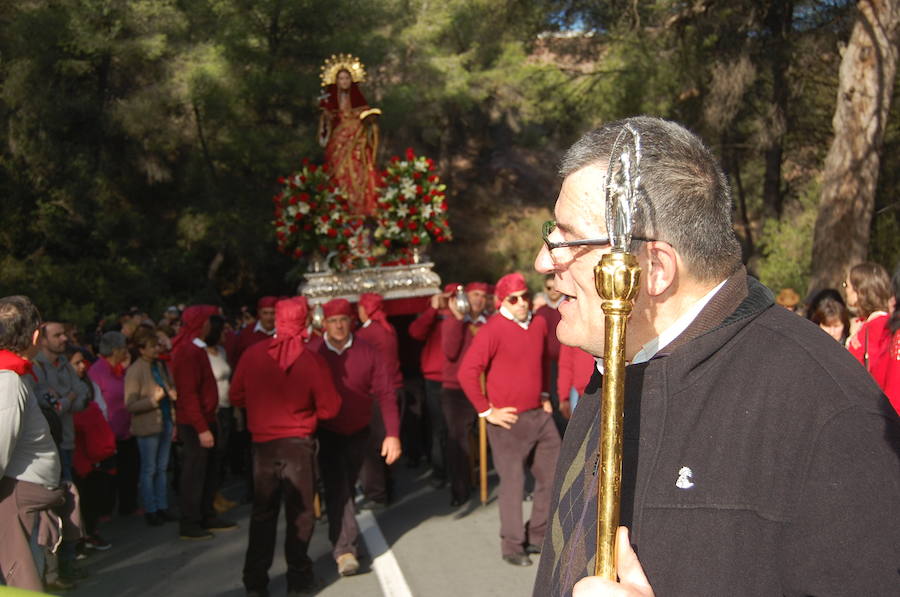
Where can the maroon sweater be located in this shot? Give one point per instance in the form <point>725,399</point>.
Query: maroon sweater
<point>280,403</point>
<point>385,342</point>
<point>513,359</point>
<point>360,377</point>
<point>456,336</point>
<point>198,395</point>
<point>427,328</point>
<point>247,338</point>
<point>551,318</point>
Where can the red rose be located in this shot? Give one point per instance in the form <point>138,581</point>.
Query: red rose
<point>280,234</point>
<point>293,200</point>
<point>305,161</point>
<point>324,219</point>
<point>313,168</point>
<point>348,233</point>
<point>279,223</point>
<point>298,252</point>
<point>433,178</point>
<point>304,197</point>
<point>281,180</point>
<point>440,238</point>
<point>415,239</point>
<point>307,227</point>
<point>302,178</point>
<point>387,243</point>
<point>332,233</point>
<point>410,154</point>
<point>278,212</point>
<point>323,249</point>
<point>417,175</point>
<point>413,210</point>
<point>298,216</point>
<point>292,228</point>
<point>395,159</point>
<point>313,205</point>
<point>418,190</point>
<point>320,187</point>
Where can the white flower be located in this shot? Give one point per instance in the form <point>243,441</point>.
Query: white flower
<point>402,211</point>
<point>426,211</point>
<point>303,207</point>
<point>391,193</point>
<point>421,165</point>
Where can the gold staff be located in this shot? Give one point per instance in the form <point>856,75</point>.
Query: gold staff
<point>482,448</point>
<point>616,278</point>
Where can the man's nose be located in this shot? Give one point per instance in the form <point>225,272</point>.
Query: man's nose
<point>543,262</point>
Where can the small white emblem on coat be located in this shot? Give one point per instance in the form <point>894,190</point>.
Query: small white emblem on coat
<point>684,478</point>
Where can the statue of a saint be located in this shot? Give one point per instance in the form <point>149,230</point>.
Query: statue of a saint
<point>348,130</point>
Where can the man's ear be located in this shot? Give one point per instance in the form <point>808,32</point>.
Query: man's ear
<point>662,267</point>
<point>35,337</point>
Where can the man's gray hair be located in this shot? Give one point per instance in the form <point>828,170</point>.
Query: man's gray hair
<point>686,200</point>
<point>110,341</point>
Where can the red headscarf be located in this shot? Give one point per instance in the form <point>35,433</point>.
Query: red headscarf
<point>507,285</point>
<point>374,305</point>
<point>482,286</point>
<point>451,287</point>
<point>192,321</point>
<point>290,321</point>
<point>266,302</point>
<point>337,306</point>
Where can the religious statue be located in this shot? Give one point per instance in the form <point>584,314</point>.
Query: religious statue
<point>348,130</point>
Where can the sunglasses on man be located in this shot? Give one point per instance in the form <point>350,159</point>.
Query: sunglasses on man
<point>513,299</point>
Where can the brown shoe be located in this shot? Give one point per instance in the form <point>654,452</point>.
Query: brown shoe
<point>58,586</point>
<point>347,564</point>
<point>221,504</point>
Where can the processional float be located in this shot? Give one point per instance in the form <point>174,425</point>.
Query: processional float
<point>617,279</point>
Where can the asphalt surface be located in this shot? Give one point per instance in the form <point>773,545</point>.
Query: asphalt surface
<point>441,551</point>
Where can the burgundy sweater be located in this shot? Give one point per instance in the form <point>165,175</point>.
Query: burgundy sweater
<point>385,342</point>
<point>514,361</point>
<point>198,395</point>
<point>283,404</point>
<point>575,369</point>
<point>360,377</point>
<point>551,317</point>
<point>427,328</point>
<point>456,336</point>
<point>247,338</point>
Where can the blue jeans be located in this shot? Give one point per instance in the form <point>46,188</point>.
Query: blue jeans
<point>154,451</point>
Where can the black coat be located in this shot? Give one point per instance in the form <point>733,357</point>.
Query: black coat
<point>759,459</point>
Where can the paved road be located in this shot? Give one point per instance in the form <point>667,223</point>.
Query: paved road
<point>440,551</point>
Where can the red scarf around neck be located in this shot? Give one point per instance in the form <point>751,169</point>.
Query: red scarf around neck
<point>10,361</point>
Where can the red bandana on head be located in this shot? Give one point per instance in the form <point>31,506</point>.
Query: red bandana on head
<point>266,302</point>
<point>10,361</point>
<point>374,306</point>
<point>337,306</point>
<point>192,321</point>
<point>507,285</point>
<point>483,287</point>
<point>290,321</point>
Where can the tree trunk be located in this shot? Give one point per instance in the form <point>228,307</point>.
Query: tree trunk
<point>865,89</point>
<point>779,22</point>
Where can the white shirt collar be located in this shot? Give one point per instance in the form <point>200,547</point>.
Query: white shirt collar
<point>259,328</point>
<point>649,350</point>
<point>333,348</point>
<point>366,324</point>
<point>480,319</point>
<point>199,342</point>
<point>522,324</point>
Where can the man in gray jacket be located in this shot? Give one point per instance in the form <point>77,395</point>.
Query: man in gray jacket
<point>759,458</point>
<point>59,386</point>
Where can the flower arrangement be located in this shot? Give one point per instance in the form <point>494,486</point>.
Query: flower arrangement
<point>412,208</point>
<point>313,218</point>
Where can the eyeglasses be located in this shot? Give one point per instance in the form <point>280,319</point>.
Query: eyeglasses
<point>513,299</point>
<point>550,226</point>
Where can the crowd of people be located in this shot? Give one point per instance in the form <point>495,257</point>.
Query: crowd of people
<point>308,414</point>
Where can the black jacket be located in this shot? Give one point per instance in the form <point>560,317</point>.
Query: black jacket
<point>759,459</point>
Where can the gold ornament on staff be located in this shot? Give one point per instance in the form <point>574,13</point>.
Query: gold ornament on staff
<point>338,62</point>
<point>617,278</point>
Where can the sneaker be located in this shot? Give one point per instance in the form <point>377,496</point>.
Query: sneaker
<point>219,524</point>
<point>96,542</point>
<point>58,586</point>
<point>347,564</point>
<point>194,532</point>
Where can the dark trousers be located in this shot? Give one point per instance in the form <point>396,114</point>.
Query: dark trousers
<point>375,475</point>
<point>340,459</point>
<point>198,477</point>
<point>225,427</point>
<point>459,415</point>
<point>97,497</point>
<point>283,469</point>
<point>535,430</point>
<point>437,428</point>
<point>128,468</point>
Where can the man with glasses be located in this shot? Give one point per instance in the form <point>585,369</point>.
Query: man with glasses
<point>757,456</point>
<point>509,349</point>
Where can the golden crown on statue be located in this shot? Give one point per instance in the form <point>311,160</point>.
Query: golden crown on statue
<point>338,62</point>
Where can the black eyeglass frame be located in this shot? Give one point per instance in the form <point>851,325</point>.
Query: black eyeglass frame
<point>550,225</point>
<point>514,298</point>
